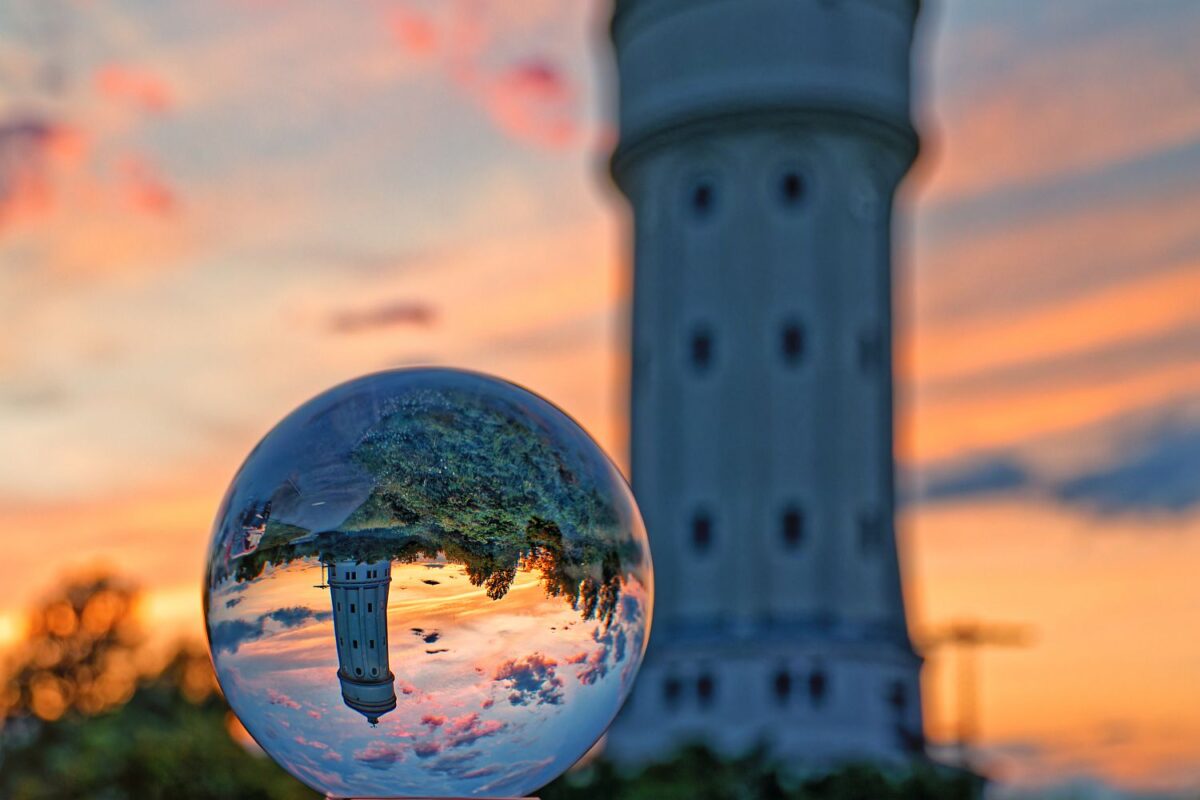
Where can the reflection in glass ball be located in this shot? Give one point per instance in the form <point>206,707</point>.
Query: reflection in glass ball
<point>427,583</point>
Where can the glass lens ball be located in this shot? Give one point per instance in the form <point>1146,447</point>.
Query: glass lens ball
<point>427,583</point>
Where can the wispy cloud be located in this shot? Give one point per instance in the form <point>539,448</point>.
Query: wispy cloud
<point>137,87</point>
<point>387,315</point>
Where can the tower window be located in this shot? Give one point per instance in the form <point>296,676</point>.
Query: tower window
<point>705,689</point>
<point>792,343</point>
<point>703,198</point>
<point>818,687</point>
<point>782,685</point>
<point>358,670</point>
<point>352,608</point>
<point>671,690</point>
<point>702,349</point>
<point>354,643</point>
<point>870,532</point>
<point>371,643</point>
<point>702,532</point>
<point>339,605</point>
<point>897,696</point>
<point>374,670</point>
<point>791,188</point>
<point>370,607</point>
<point>870,350</point>
<point>792,527</point>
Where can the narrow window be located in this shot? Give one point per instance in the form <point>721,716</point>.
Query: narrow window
<point>671,690</point>
<point>782,685</point>
<point>791,188</point>
<point>354,643</point>
<point>818,687</point>
<point>792,527</point>
<point>870,350</point>
<point>705,689</point>
<point>702,531</point>
<point>792,343</point>
<point>702,349</point>
<point>339,606</point>
<point>703,198</point>
<point>897,697</point>
<point>370,607</point>
<point>374,670</point>
<point>870,532</point>
<point>352,608</point>
<point>372,644</point>
<point>358,670</point>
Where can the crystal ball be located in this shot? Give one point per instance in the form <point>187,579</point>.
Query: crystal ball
<point>427,583</point>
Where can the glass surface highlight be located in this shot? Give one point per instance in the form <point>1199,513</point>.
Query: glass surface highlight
<point>427,583</point>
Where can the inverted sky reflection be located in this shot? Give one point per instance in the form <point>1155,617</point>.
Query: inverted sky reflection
<point>479,683</point>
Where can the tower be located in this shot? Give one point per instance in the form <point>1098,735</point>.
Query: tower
<point>761,142</point>
<point>359,593</point>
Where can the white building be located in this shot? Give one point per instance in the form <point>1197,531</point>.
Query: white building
<point>359,593</point>
<point>760,145</point>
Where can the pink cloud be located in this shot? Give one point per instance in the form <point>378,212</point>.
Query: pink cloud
<point>280,699</point>
<point>433,721</point>
<point>32,150</point>
<point>415,32</point>
<point>531,679</point>
<point>134,86</point>
<point>144,189</point>
<point>531,100</point>
<point>534,102</point>
<point>380,755</point>
<point>384,316</point>
<point>315,714</point>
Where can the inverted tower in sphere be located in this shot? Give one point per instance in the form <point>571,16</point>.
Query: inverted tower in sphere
<point>761,142</point>
<point>359,594</point>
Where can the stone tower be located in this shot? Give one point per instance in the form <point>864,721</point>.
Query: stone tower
<point>761,142</point>
<point>359,593</point>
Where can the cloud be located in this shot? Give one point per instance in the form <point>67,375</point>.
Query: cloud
<point>533,101</point>
<point>134,86</point>
<point>380,755</point>
<point>531,679</point>
<point>277,698</point>
<point>229,635</point>
<point>32,150</point>
<point>469,728</point>
<point>389,315</point>
<point>1151,471</point>
<point>413,31</point>
<point>971,478</point>
<point>1161,475</point>
<point>144,189</point>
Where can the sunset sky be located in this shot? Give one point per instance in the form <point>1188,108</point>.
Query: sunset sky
<point>210,212</point>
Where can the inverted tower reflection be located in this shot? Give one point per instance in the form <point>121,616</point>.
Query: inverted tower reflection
<point>359,596</point>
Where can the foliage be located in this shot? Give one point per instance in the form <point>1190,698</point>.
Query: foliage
<point>695,773</point>
<point>169,735</point>
<point>87,716</point>
<point>480,482</point>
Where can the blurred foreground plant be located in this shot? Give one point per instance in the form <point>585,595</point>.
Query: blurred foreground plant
<point>89,713</point>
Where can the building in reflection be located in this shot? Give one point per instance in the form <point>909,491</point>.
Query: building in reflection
<point>359,593</point>
<point>760,145</point>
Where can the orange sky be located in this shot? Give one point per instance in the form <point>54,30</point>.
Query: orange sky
<point>205,219</point>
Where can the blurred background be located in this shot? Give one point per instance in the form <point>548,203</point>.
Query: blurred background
<point>211,212</point>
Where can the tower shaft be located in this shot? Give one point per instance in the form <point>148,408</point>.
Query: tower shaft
<point>761,142</point>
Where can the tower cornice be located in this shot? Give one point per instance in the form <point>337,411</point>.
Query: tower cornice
<point>700,65</point>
